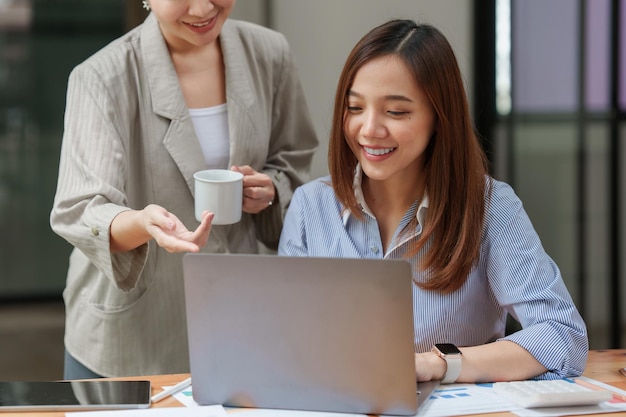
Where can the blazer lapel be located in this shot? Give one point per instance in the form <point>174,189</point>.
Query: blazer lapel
<point>167,101</point>
<point>240,95</point>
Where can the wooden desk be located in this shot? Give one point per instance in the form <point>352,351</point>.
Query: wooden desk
<point>602,365</point>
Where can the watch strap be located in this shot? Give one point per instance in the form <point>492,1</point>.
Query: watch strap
<point>453,357</point>
<point>454,368</point>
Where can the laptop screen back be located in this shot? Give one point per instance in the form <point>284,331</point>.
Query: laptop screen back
<point>301,333</point>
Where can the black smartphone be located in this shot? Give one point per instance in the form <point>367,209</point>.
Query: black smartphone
<point>73,395</point>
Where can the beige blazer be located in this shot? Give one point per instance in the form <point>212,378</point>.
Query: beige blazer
<point>129,141</point>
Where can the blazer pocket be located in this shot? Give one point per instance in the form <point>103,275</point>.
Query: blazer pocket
<point>107,296</point>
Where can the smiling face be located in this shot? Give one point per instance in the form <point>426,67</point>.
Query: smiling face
<point>388,121</point>
<point>191,23</point>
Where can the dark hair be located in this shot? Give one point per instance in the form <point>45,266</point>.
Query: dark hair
<point>455,166</point>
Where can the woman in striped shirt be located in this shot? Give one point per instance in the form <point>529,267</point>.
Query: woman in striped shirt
<point>409,180</point>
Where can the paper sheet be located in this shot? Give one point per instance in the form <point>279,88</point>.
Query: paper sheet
<point>200,411</point>
<point>287,413</point>
<point>453,399</point>
<point>444,402</point>
<point>186,398</point>
<point>463,399</point>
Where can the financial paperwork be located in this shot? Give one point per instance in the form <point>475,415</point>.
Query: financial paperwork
<point>447,400</point>
<point>289,413</point>
<point>456,399</point>
<point>186,397</point>
<point>463,399</point>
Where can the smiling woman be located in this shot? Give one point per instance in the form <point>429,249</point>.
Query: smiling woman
<point>189,24</point>
<point>174,96</point>
<point>408,180</point>
<point>388,125</point>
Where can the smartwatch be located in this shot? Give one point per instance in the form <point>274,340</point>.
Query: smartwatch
<point>453,357</point>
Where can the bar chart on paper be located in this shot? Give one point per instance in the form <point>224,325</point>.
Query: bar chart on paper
<point>459,399</point>
<point>463,399</point>
<point>445,401</point>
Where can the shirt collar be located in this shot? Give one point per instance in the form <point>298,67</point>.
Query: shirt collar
<point>358,194</point>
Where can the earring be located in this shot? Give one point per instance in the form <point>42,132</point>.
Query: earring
<point>146,5</point>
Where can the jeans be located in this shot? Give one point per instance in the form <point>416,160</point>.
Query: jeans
<point>75,370</point>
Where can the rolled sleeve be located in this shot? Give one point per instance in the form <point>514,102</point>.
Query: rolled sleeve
<point>528,284</point>
<point>90,190</point>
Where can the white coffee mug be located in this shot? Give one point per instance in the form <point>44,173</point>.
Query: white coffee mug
<point>219,191</point>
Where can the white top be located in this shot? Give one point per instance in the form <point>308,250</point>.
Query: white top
<point>211,124</point>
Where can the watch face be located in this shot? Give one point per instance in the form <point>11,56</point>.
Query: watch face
<point>448,349</point>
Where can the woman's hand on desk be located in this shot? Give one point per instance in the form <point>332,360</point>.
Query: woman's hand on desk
<point>497,361</point>
<point>429,367</point>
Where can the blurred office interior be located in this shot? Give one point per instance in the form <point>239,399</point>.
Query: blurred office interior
<point>549,101</point>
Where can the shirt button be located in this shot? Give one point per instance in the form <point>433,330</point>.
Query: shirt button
<point>95,231</point>
<point>374,248</point>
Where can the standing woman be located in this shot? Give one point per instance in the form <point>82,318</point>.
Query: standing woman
<point>409,181</point>
<point>187,90</point>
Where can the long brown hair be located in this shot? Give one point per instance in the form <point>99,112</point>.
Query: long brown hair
<point>455,166</point>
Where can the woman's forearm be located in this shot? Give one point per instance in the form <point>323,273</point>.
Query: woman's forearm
<point>128,231</point>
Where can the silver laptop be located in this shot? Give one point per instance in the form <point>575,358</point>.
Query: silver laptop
<point>313,334</point>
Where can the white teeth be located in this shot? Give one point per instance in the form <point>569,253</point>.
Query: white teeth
<point>199,25</point>
<point>379,151</point>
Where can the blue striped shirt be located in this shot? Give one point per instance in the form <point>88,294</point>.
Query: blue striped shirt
<point>513,275</point>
